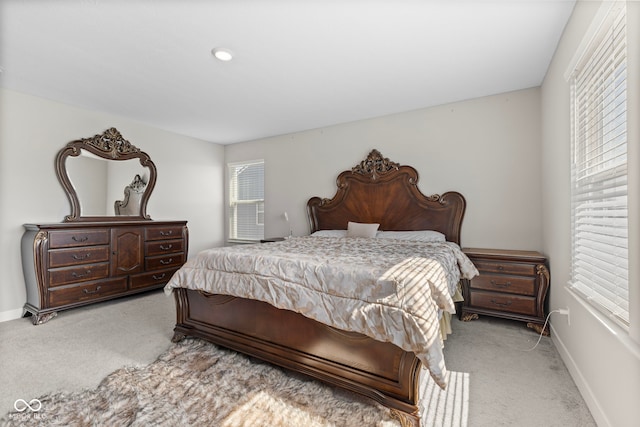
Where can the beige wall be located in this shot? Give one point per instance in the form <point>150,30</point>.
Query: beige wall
<point>32,130</point>
<point>488,149</point>
<point>603,359</point>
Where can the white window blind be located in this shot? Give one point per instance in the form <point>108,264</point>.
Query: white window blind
<point>246,201</point>
<point>600,261</point>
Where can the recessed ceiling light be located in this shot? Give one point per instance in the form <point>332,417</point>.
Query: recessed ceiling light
<point>222,54</point>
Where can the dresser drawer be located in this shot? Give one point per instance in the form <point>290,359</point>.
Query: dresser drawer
<point>164,262</point>
<point>75,256</point>
<point>164,232</point>
<point>63,276</point>
<point>67,239</point>
<point>506,284</point>
<point>504,303</point>
<point>149,279</point>
<point>505,267</point>
<point>161,247</point>
<point>86,291</point>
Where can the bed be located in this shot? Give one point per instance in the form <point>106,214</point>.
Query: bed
<point>317,337</point>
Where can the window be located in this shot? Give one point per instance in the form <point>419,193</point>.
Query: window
<point>600,264</point>
<point>246,201</point>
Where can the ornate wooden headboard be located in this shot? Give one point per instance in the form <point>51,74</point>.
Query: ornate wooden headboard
<point>381,191</point>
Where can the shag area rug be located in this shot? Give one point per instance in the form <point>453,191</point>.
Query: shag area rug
<point>195,383</point>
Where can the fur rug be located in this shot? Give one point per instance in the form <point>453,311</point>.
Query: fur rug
<point>199,384</point>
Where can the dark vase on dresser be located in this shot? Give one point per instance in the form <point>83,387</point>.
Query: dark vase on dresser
<point>95,254</point>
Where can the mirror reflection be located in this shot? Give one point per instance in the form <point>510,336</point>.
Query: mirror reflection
<point>107,188</point>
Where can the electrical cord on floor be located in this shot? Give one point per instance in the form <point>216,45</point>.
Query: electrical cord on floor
<point>543,328</point>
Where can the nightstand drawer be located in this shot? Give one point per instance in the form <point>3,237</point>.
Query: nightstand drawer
<point>507,284</point>
<point>504,303</point>
<point>505,267</point>
<point>272,239</point>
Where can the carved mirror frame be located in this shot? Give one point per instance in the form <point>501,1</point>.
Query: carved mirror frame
<point>109,145</point>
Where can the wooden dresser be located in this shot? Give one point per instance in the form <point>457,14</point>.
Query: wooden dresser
<point>512,284</point>
<point>71,264</point>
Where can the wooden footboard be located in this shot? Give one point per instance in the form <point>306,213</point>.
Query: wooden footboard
<point>381,371</point>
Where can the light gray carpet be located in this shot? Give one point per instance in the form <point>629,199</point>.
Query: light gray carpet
<point>80,347</point>
<point>512,386</point>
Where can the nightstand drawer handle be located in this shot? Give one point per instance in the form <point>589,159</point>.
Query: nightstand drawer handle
<point>79,239</point>
<point>502,304</point>
<point>81,257</point>
<point>166,233</point>
<point>500,285</point>
<point>160,277</point>
<point>87,291</point>
<point>166,248</point>
<point>163,262</point>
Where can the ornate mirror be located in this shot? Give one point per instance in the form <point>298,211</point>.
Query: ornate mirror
<point>106,178</point>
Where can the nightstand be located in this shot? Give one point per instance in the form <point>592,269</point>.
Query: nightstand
<point>271,239</point>
<point>512,284</point>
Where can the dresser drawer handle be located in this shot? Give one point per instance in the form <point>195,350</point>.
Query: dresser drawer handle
<point>160,277</point>
<point>79,239</point>
<point>501,304</point>
<point>163,262</point>
<point>79,276</point>
<point>87,291</point>
<point>81,257</point>
<point>166,248</point>
<point>500,285</point>
<point>166,233</point>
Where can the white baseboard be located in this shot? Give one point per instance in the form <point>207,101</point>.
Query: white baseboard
<point>583,386</point>
<point>5,316</point>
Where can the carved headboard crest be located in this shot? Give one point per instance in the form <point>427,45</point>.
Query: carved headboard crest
<point>111,142</point>
<point>375,165</point>
<point>384,192</point>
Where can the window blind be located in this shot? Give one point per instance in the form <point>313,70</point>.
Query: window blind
<point>246,201</point>
<point>600,260</point>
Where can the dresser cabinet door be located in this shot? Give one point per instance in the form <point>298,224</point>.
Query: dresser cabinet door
<point>127,251</point>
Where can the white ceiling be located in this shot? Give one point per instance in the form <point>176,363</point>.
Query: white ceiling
<point>298,64</point>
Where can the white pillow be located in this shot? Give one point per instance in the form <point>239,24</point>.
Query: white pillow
<point>330,233</point>
<point>418,235</point>
<point>357,229</point>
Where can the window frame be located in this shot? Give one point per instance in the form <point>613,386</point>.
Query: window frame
<point>592,179</point>
<point>234,202</point>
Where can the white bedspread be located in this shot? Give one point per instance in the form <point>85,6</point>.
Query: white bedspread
<point>389,290</point>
